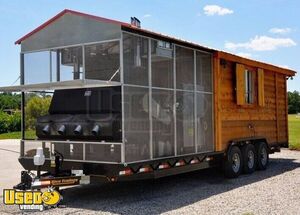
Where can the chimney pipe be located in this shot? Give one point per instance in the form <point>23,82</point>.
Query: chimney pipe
<point>96,130</point>
<point>46,130</point>
<point>135,22</point>
<point>78,130</point>
<point>62,130</point>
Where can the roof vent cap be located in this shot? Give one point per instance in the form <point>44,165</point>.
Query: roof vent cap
<point>135,22</point>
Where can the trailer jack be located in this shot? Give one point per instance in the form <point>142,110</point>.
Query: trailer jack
<point>26,180</point>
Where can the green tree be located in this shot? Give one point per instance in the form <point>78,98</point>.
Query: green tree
<point>10,122</point>
<point>293,102</point>
<point>36,107</point>
<point>10,101</point>
<point>3,122</point>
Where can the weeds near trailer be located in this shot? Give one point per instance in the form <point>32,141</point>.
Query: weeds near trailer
<point>294,132</point>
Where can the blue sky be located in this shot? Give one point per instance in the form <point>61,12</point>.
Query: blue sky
<point>266,30</point>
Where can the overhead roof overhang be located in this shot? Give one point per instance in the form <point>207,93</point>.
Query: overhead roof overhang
<point>254,63</point>
<point>60,85</point>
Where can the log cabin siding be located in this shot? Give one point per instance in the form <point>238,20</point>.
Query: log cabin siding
<point>267,119</point>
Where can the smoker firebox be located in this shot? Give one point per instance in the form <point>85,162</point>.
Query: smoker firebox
<point>83,114</point>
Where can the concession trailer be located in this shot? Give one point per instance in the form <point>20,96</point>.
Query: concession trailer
<point>128,103</point>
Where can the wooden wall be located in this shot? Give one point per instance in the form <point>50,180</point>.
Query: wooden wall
<point>240,121</point>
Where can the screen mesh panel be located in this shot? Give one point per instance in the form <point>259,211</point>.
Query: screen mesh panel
<point>163,123</point>
<point>136,60</point>
<point>136,120</point>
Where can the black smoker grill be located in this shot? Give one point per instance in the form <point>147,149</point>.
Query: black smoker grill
<point>83,114</point>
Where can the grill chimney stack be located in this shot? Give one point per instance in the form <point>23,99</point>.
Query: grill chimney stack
<point>135,22</point>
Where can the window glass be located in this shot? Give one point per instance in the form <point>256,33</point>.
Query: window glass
<point>203,72</point>
<point>137,124</point>
<point>102,61</point>
<point>162,65</point>
<point>37,67</point>
<point>248,87</point>
<point>163,122</point>
<point>66,64</point>
<point>135,55</point>
<point>204,122</point>
<point>184,68</point>
<point>185,122</point>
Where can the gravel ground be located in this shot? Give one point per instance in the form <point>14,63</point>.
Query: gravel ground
<point>274,191</point>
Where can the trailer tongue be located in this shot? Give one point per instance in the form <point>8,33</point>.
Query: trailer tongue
<point>30,182</point>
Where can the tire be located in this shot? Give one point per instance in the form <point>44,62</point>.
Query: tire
<point>249,158</point>
<point>262,156</point>
<point>234,163</point>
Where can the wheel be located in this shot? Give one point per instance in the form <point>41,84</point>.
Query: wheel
<point>249,158</point>
<point>234,163</point>
<point>262,156</point>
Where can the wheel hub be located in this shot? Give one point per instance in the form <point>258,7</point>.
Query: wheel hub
<point>250,159</point>
<point>263,156</point>
<point>236,162</point>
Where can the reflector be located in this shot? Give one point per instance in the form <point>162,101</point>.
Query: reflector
<point>127,171</point>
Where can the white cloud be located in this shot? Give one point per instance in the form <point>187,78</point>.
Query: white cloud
<point>244,54</point>
<point>280,30</point>
<point>262,43</point>
<point>147,15</point>
<point>211,10</point>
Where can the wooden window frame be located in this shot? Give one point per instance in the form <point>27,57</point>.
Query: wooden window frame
<point>246,88</point>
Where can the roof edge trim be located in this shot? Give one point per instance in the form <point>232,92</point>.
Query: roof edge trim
<point>255,63</point>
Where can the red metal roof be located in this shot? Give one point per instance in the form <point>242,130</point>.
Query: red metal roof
<point>101,19</point>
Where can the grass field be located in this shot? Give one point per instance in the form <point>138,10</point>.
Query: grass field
<point>17,135</point>
<point>294,133</point>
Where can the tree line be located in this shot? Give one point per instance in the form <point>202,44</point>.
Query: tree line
<point>293,102</point>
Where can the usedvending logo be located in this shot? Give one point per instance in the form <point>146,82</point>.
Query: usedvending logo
<point>32,200</point>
